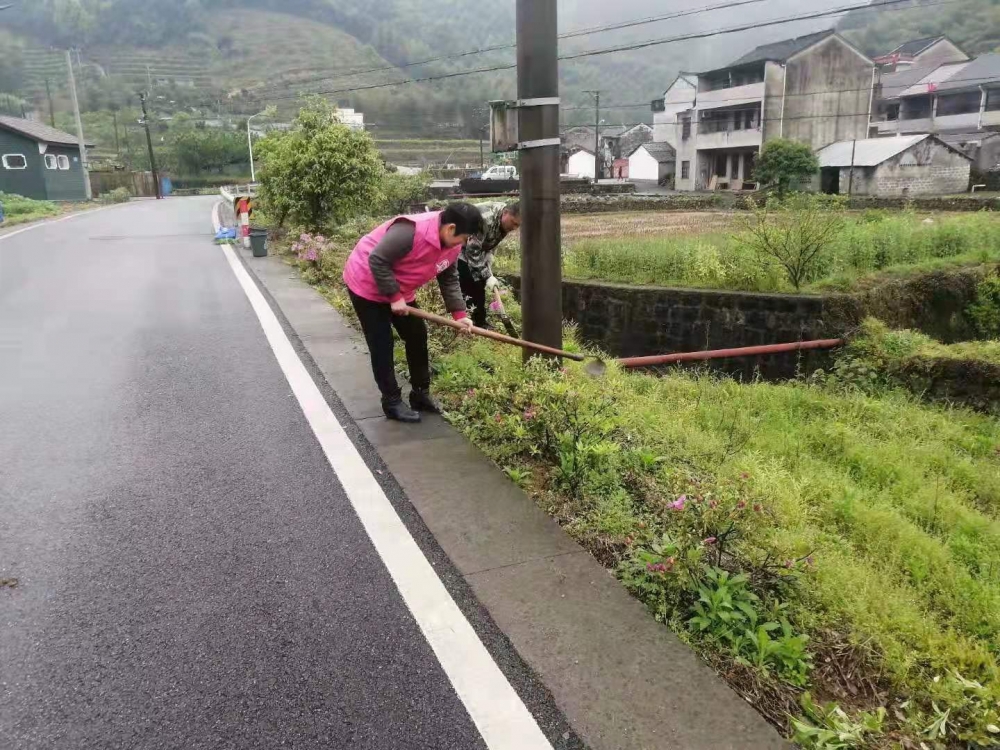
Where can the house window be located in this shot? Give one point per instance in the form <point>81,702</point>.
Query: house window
<point>685,170</point>
<point>737,121</point>
<point>63,161</point>
<point>50,162</point>
<point>750,116</point>
<point>14,161</point>
<point>686,128</point>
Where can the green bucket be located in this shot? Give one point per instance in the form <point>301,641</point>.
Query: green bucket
<point>258,242</point>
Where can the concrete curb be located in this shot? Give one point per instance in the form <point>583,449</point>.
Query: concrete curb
<point>623,681</point>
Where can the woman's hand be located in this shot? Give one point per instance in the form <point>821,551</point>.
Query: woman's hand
<point>466,324</point>
<point>399,307</point>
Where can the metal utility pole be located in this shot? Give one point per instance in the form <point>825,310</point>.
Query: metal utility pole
<point>538,91</point>
<point>149,144</point>
<point>79,127</point>
<point>52,111</point>
<point>597,133</point>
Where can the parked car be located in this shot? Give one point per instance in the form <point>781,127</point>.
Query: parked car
<point>506,172</point>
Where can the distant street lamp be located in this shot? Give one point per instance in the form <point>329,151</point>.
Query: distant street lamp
<point>253,174</point>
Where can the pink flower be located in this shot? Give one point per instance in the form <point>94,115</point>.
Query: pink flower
<point>758,508</point>
<point>744,475</point>
<point>495,306</point>
<point>713,504</point>
<point>529,415</point>
<point>741,504</point>
<point>320,238</point>
<point>679,503</point>
<point>810,561</point>
<point>789,564</point>
<point>565,371</point>
<point>710,541</point>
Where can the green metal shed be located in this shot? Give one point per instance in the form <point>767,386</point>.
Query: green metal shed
<point>39,162</point>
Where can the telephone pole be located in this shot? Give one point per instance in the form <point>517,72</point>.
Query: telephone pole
<point>538,133</point>
<point>118,144</point>
<point>79,127</point>
<point>52,111</point>
<point>149,144</point>
<point>597,133</point>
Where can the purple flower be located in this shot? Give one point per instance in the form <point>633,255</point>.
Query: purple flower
<point>471,392</point>
<point>679,503</point>
<point>789,564</point>
<point>710,541</point>
<point>741,504</point>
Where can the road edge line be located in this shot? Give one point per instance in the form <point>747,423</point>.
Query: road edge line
<point>503,720</point>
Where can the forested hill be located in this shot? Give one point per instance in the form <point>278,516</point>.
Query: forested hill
<point>235,56</point>
<point>974,25</point>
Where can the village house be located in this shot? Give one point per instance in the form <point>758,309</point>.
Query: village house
<point>932,50</point>
<point>957,100</point>
<point>652,161</point>
<point>814,89</point>
<point>40,162</point>
<point>617,141</point>
<point>679,97</point>
<point>903,166</point>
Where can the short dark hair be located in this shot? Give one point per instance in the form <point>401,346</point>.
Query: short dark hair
<point>464,216</point>
<point>514,209</point>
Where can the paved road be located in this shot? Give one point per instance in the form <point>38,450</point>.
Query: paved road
<point>190,573</point>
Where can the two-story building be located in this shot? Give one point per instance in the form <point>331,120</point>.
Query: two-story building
<point>958,101</point>
<point>816,89</point>
<point>932,50</point>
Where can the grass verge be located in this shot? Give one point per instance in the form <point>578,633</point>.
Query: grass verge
<point>20,210</point>
<point>833,552</point>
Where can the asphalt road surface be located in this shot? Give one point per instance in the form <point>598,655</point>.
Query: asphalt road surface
<point>182,567</point>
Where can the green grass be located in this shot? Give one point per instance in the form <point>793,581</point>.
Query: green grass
<point>20,210</point>
<point>873,243</point>
<point>867,522</point>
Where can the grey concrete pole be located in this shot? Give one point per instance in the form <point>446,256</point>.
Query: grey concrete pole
<point>79,127</point>
<point>541,264</point>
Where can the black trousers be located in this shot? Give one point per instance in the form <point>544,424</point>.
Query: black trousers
<point>474,293</point>
<point>377,322</point>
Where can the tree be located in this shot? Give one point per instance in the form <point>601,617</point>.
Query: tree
<point>784,163</point>
<point>795,233</point>
<point>321,171</point>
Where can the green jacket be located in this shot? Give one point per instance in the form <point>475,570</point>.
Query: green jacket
<point>478,251</point>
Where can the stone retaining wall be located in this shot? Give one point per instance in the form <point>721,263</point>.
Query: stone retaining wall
<point>630,321</point>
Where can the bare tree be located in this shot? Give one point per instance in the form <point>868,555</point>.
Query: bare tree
<point>795,233</point>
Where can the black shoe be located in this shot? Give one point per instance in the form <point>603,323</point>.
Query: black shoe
<point>422,400</point>
<point>399,411</point>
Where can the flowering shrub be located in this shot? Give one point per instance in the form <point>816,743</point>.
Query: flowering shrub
<point>309,247</point>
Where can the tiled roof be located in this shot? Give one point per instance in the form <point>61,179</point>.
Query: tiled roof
<point>916,46</point>
<point>662,152</point>
<point>781,51</point>
<point>37,131</point>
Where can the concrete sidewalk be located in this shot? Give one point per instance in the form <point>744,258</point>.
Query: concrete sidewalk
<point>623,681</point>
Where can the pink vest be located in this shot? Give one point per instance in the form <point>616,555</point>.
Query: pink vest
<point>421,265</point>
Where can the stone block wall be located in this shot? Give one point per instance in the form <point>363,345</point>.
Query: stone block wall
<point>635,321</point>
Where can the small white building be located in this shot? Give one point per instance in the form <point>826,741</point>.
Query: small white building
<point>352,119</point>
<point>581,163</point>
<point>652,161</point>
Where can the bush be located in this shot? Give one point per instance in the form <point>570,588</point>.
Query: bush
<point>784,163</point>
<point>118,195</point>
<point>796,234</point>
<point>400,192</point>
<point>321,172</point>
<point>985,311</point>
<point>18,209</point>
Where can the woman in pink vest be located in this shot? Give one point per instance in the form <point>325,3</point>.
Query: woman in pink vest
<point>383,274</point>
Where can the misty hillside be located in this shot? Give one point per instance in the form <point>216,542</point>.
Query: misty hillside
<point>235,56</point>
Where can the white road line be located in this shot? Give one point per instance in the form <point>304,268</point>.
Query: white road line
<point>501,717</point>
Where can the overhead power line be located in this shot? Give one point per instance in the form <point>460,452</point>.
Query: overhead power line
<point>881,7</point>
<point>567,35</point>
